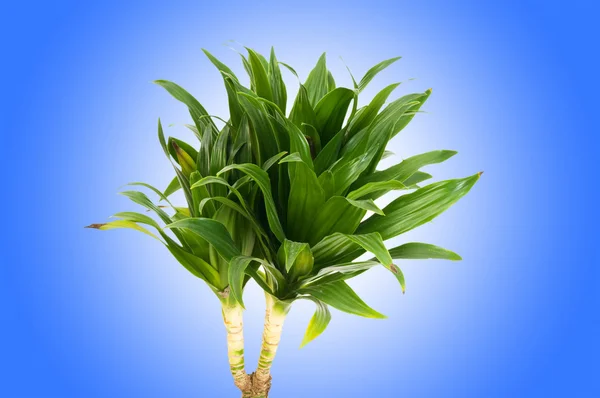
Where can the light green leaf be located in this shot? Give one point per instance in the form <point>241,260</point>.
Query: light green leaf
<point>366,115</point>
<point>375,187</point>
<point>236,275</point>
<point>341,296</point>
<point>371,73</point>
<point>213,232</point>
<point>423,205</point>
<point>367,204</point>
<point>195,108</point>
<point>173,187</point>
<point>122,224</point>
<point>259,76</point>
<point>277,84</point>
<point>318,323</point>
<point>403,170</point>
<point>415,250</point>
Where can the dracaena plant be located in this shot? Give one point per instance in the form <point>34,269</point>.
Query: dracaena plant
<point>289,199</point>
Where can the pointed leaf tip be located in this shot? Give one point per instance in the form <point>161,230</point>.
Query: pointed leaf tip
<point>95,226</point>
<point>480,173</point>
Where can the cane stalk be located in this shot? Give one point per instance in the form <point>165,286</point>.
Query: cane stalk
<point>275,314</point>
<point>234,325</point>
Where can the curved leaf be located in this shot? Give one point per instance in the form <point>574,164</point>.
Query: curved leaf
<point>213,232</point>
<point>423,205</point>
<point>331,111</point>
<point>415,250</point>
<point>262,180</point>
<point>318,323</point>
<point>371,73</point>
<point>341,296</point>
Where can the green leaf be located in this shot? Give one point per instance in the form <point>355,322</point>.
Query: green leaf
<point>262,85</point>
<point>122,224</point>
<point>316,84</point>
<point>371,73</point>
<point>327,182</point>
<point>184,183</point>
<point>371,242</point>
<point>338,214</point>
<point>262,180</point>
<point>195,265</point>
<point>318,323</point>
<point>367,204</point>
<point>341,296</point>
<point>330,81</point>
<point>331,111</point>
<point>173,187</point>
<point>138,218</point>
<point>302,111</point>
<point>416,178</point>
<point>306,197</point>
<point>292,250</point>
<point>153,189</point>
<point>403,170</point>
<point>236,275</point>
<point>213,232</point>
<point>415,250</point>
<point>329,154</point>
<point>366,115</point>
<point>195,108</point>
<point>338,272</point>
<point>423,205</point>
<point>187,148</point>
<point>264,142</point>
<point>142,200</point>
<point>375,187</point>
<point>220,66</point>
<point>277,84</point>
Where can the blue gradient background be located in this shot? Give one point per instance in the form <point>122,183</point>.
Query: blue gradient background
<point>90,314</point>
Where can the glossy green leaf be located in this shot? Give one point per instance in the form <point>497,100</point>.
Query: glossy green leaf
<point>331,111</point>
<point>213,232</point>
<point>173,187</point>
<point>237,272</point>
<point>341,296</point>
<point>423,205</point>
<point>122,224</point>
<point>415,250</point>
<point>403,170</point>
<point>336,215</point>
<point>317,83</point>
<point>371,73</point>
<point>302,111</point>
<point>318,323</point>
<point>220,66</point>
<point>262,180</point>
<point>276,81</point>
<point>306,197</point>
<point>368,114</point>
<point>375,187</point>
<point>195,108</point>
<point>262,86</point>
<point>417,178</point>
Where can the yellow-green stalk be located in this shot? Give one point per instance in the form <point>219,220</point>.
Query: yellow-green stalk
<point>233,318</point>
<point>274,317</point>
